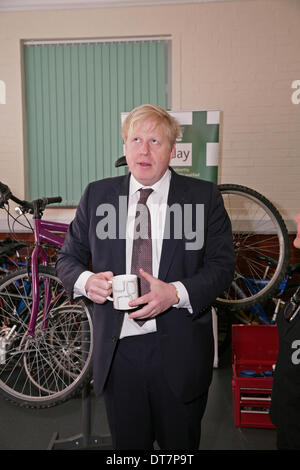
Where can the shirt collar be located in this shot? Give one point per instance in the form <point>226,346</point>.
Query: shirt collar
<point>157,187</point>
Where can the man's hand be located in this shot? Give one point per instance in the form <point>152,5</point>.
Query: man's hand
<point>161,296</point>
<point>98,288</point>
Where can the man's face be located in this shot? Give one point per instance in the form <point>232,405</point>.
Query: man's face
<point>148,152</point>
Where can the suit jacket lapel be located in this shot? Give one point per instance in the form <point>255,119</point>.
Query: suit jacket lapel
<point>177,195</point>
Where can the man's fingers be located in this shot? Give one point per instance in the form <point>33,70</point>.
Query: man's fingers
<point>144,312</point>
<point>150,307</point>
<point>98,286</point>
<point>146,275</point>
<point>144,299</point>
<point>99,280</point>
<point>108,274</point>
<point>104,276</point>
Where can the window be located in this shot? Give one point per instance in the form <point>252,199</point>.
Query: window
<point>75,94</point>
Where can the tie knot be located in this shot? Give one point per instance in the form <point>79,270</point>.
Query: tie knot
<point>144,194</point>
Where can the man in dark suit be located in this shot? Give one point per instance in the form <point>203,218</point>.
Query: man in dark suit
<point>285,405</point>
<point>155,377</point>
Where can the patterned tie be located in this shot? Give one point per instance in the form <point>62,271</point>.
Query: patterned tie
<point>142,243</point>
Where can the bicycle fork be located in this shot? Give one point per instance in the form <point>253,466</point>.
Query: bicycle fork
<point>38,252</point>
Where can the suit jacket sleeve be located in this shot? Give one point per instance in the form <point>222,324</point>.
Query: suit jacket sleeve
<point>216,272</point>
<point>74,257</point>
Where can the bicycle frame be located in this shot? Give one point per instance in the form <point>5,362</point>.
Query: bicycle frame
<point>43,232</point>
<point>254,285</point>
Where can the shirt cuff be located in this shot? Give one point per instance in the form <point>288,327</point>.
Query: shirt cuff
<point>184,300</point>
<point>79,286</point>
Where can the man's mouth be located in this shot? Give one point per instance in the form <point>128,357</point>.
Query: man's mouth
<point>144,164</point>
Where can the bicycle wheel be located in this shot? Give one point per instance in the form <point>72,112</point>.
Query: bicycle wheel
<point>261,245</point>
<point>52,366</point>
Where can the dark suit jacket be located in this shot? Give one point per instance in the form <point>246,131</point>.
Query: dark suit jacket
<point>186,339</point>
<point>285,405</point>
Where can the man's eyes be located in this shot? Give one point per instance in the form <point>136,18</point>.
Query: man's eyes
<point>138,140</point>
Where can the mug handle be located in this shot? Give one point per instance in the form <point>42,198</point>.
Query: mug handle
<point>110,298</point>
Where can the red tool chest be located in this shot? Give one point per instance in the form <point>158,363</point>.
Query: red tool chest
<point>254,353</point>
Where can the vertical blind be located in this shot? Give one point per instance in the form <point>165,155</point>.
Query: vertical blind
<point>75,94</point>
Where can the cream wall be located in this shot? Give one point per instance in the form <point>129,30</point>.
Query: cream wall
<point>237,56</point>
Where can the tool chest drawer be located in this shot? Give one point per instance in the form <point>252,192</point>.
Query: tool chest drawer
<point>254,353</point>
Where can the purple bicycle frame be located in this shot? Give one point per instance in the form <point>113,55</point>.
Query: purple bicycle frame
<point>43,232</point>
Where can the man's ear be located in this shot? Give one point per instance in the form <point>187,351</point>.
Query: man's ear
<point>173,151</point>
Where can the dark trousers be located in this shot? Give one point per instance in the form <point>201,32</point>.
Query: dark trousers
<point>141,408</point>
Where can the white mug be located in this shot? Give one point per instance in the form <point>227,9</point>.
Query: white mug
<point>124,289</point>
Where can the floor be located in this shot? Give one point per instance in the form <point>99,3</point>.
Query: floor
<point>32,429</point>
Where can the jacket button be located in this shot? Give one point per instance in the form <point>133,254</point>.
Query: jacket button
<point>114,339</point>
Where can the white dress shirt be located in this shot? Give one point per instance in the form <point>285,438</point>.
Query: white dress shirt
<point>157,204</point>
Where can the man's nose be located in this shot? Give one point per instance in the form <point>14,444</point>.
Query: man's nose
<point>145,148</point>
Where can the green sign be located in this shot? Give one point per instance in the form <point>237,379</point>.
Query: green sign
<point>197,153</point>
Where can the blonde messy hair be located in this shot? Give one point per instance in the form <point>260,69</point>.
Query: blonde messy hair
<point>157,115</point>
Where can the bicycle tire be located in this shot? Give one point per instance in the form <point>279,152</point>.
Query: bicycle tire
<point>55,364</point>
<point>261,245</point>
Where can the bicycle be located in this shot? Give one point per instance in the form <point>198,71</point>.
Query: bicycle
<point>259,235</point>
<point>265,313</point>
<point>45,340</point>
